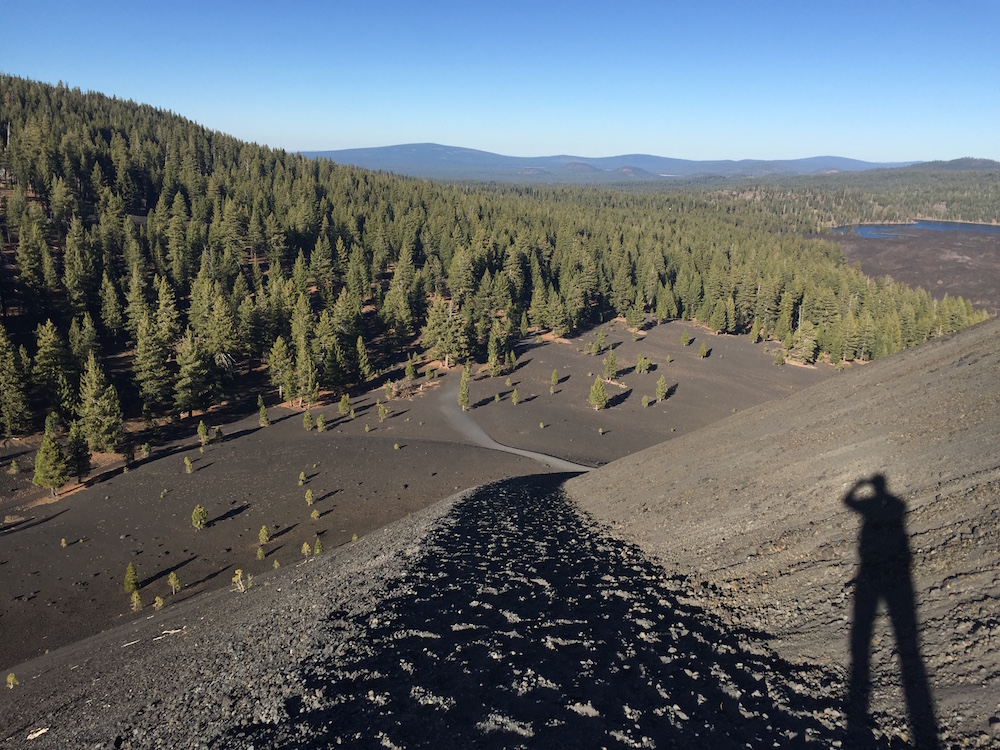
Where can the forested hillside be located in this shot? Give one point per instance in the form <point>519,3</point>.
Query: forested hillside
<point>141,247</point>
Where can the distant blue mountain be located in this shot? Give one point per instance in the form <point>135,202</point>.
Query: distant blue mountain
<point>434,161</point>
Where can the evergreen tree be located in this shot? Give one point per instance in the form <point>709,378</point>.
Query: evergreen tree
<point>307,384</point>
<point>193,389</point>
<point>263,420</point>
<point>364,367</point>
<point>598,396</point>
<point>610,366</point>
<point>281,370</point>
<point>50,464</point>
<point>77,452</point>
<point>14,413</point>
<point>131,579</point>
<point>52,372</point>
<point>150,365</point>
<point>463,389</point>
<point>112,317</point>
<point>99,409</point>
<point>661,388</point>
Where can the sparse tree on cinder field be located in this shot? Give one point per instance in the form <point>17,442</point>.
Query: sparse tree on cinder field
<point>598,396</point>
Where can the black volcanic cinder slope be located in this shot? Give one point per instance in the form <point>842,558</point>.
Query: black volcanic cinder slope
<point>752,507</point>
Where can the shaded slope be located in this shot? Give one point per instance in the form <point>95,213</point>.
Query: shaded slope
<point>752,507</point>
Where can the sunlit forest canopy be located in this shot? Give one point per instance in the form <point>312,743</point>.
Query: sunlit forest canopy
<point>183,259</point>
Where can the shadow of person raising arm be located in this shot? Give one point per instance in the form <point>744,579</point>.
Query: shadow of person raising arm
<point>884,574</point>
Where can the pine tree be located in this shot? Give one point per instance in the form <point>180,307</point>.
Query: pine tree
<point>344,407</point>
<point>174,582</point>
<point>150,365</point>
<point>77,452</point>
<point>280,369</point>
<point>598,396</point>
<point>263,420</point>
<point>52,372</point>
<point>661,388</point>
<point>610,366</point>
<point>364,367</point>
<point>14,414</point>
<point>50,464</point>
<point>99,409</point>
<point>702,351</point>
<point>131,579</point>
<point>463,389</point>
<point>193,389</point>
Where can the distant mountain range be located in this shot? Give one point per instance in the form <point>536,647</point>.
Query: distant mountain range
<point>434,161</point>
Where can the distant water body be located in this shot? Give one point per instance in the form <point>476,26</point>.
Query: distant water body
<point>897,230</point>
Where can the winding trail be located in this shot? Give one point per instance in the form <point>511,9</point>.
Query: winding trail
<point>468,428</point>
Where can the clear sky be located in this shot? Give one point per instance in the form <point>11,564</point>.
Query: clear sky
<point>877,80</point>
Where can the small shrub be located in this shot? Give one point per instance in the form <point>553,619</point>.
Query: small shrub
<point>14,468</point>
<point>276,564</point>
<point>685,338</point>
<point>554,380</point>
<point>163,493</point>
<point>321,423</point>
<point>383,412</point>
<point>136,602</point>
<point>345,405</point>
<point>174,582</point>
<point>367,428</point>
<point>779,358</point>
<point>600,430</point>
<point>307,420</point>
<point>318,546</point>
<point>702,351</point>
<point>514,397</point>
<point>131,579</point>
<point>12,681</point>
<point>238,580</point>
<point>263,420</point>
<point>217,433</point>
<point>645,401</point>
<point>496,398</point>
<point>260,553</point>
<point>354,537</point>
<point>263,536</point>
<point>390,390</point>
<point>62,542</point>
<point>158,603</point>
<point>306,549</point>
<point>199,517</point>
<point>541,425</point>
<point>395,446</point>
<point>302,478</point>
<point>145,451</point>
<point>188,465</point>
<point>314,515</point>
<point>310,498</point>
<point>507,382</point>
<point>203,432</point>
<point>351,415</point>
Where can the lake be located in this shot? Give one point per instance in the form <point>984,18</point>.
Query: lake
<point>896,230</point>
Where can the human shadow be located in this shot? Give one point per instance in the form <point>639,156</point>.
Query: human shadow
<point>884,576</point>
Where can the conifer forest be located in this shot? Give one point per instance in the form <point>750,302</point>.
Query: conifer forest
<point>150,265</point>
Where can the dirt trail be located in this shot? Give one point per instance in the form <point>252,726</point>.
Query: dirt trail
<point>468,428</point>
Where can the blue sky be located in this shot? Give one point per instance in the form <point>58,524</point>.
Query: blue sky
<point>881,81</point>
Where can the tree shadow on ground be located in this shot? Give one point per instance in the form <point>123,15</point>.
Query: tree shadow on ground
<point>884,576</point>
<point>284,531</point>
<point>167,571</point>
<point>231,513</point>
<point>28,523</point>
<point>619,399</point>
<point>521,624</point>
